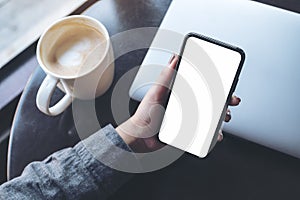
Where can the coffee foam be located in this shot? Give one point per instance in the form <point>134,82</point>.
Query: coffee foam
<point>76,51</point>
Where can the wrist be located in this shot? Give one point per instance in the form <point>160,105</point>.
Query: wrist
<point>125,131</point>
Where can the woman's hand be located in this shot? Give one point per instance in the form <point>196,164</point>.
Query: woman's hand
<point>139,131</point>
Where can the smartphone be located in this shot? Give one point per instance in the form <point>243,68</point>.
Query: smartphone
<point>206,76</point>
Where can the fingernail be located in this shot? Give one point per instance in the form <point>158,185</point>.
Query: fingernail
<point>220,137</point>
<point>172,58</point>
<point>238,98</point>
<point>228,112</point>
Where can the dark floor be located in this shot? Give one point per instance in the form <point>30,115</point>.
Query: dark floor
<point>6,117</point>
<point>3,155</point>
<point>292,5</point>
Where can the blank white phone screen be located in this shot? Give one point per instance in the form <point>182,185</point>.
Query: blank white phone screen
<point>203,82</point>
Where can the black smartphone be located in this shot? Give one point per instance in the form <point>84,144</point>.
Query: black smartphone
<point>207,74</point>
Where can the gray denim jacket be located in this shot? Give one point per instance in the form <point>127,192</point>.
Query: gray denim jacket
<point>72,173</point>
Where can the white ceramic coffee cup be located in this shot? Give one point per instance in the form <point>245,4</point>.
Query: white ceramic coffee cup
<point>81,85</point>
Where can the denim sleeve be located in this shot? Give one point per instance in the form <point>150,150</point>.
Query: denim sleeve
<point>73,173</point>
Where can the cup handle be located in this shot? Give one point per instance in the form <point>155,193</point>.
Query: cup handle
<point>44,96</point>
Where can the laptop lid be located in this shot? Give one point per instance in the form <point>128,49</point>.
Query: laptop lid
<point>270,111</point>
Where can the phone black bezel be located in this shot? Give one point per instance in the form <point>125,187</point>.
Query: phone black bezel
<point>219,43</point>
<point>222,44</point>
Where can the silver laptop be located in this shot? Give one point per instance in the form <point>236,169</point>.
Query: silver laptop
<point>269,113</point>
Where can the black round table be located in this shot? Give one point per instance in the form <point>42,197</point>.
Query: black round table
<point>237,169</point>
<point>35,135</point>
